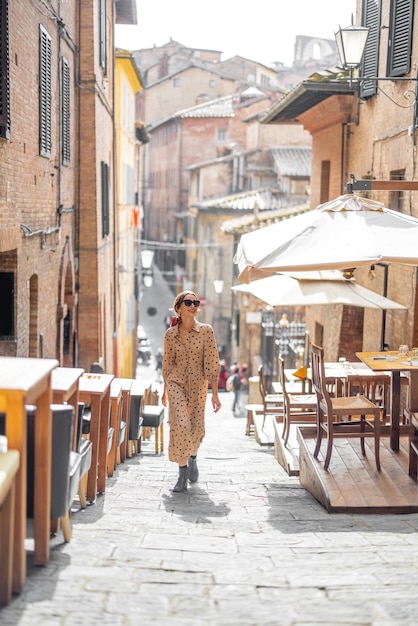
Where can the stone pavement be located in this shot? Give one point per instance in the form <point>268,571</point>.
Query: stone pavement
<point>246,545</point>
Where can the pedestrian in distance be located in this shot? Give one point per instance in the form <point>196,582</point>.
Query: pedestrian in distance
<point>236,382</point>
<point>190,360</point>
<point>159,362</point>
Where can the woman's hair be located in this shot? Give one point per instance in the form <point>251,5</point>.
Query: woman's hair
<point>180,297</point>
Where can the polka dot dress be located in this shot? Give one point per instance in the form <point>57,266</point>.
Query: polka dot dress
<point>187,367</point>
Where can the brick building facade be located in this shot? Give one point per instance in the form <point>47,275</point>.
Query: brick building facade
<point>57,227</point>
<point>367,128</point>
<point>38,170</point>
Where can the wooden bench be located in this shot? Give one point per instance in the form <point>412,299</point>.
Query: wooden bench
<point>153,418</point>
<point>258,408</point>
<point>9,465</point>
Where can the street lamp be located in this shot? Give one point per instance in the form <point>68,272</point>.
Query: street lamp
<point>351,45</point>
<point>147,257</point>
<point>218,286</point>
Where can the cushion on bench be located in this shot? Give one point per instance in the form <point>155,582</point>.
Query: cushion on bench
<point>153,415</point>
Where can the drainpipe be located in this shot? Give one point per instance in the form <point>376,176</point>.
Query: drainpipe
<point>115,213</point>
<point>344,129</point>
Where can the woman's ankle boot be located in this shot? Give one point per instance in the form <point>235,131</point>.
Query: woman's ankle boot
<point>193,470</point>
<point>181,484</point>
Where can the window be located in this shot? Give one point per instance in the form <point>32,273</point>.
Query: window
<point>369,67</point>
<point>7,326</point>
<point>325,178</point>
<point>221,134</point>
<point>396,198</point>
<point>4,70</point>
<point>67,333</point>
<point>176,82</point>
<point>316,51</point>
<point>65,111</point>
<point>211,83</point>
<point>319,334</point>
<point>102,35</point>
<point>45,59</point>
<point>105,199</point>
<point>400,37</point>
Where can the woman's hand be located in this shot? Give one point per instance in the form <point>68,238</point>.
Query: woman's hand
<point>164,397</point>
<point>216,403</point>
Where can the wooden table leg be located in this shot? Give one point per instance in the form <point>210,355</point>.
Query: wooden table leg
<point>124,417</point>
<point>394,409</point>
<point>103,438</point>
<point>17,438</point>
<point>42,477</point>
<point>94,436</point>
<point>114,423</point>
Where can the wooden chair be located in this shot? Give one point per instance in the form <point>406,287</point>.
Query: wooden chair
<point>335,415</point>
<point>85,450</point>
<point>65,466</point>
<point>272,402</point>
<point>153,414</point>
<point>297,408</point>
<point>375,387</point>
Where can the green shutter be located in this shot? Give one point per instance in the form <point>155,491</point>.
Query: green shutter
<point>65,112</point>
<point>105,199</point>
<point>4,70</point>
<point>102,35</point>
<point>400,37</point>
<point>370,64</point>
<point>45,92</point>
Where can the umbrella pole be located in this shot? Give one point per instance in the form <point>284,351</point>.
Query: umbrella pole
<point>385,293</point>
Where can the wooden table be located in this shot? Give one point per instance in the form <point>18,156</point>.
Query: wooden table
<point>28,381</point>
<point>94,389</point>
<point>126,384</point>
<point>333,371</point>
<point>116,400</point>
<point>390,362</point>
<point>64,383</point>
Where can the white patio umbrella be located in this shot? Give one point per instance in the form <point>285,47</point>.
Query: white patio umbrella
<point>347,232</point>
<point>285,290</point>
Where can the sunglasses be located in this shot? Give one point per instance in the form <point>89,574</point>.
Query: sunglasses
<point>195,303</point>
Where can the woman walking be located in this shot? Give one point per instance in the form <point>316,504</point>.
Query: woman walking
<point>190,360</point>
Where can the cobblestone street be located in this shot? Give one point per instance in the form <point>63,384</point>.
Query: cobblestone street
<point>246,545</point>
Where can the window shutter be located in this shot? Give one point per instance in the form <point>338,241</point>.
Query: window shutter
<point>105,199</point>
<point>65,111</point>
<point>4,70</point>
<point>370,64</point>
<point>45,60</point>
<point>400,37</point>
<point>102,35</point>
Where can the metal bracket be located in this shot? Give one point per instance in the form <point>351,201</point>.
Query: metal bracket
<point>382,185</point>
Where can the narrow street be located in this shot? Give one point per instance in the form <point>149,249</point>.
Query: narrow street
<point>246,545</point>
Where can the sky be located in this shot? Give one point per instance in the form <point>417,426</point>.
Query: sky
<point>263,31</point>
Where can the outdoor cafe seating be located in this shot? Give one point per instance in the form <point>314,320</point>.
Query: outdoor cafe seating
<point>65,469</point>
<point>42,410</point>
<point>9,465</point>
<point>375,387</point>
<point>272,402</point>
<point>346,416</point>
<point>84,448</point>
<point>297,408</point>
